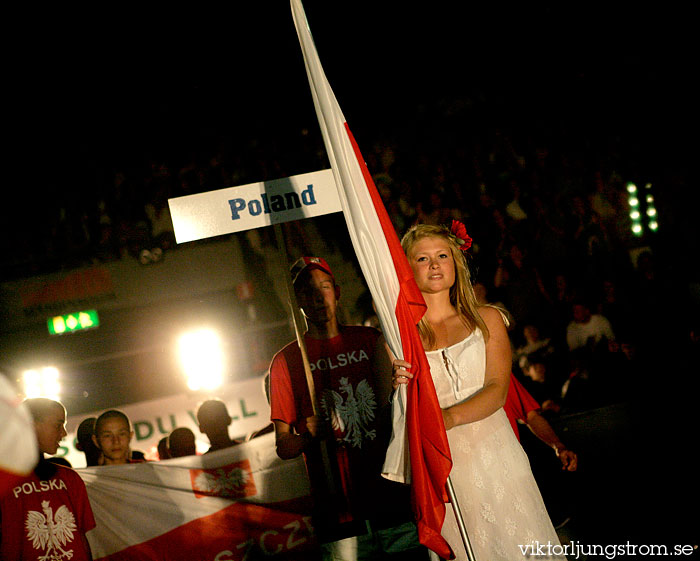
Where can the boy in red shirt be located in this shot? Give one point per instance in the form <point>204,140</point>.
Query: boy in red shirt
<point>362,515</point>
<point>47,514</point>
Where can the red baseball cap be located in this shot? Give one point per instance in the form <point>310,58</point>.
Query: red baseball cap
<point>304,263</point>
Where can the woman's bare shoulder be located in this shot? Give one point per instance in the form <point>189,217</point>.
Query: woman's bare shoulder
<point>492,314</point>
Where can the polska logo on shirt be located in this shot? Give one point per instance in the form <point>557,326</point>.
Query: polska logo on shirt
<point>39,486</point>
<point>339,360</point>
<point>51,532</point>
<point>351,415</point>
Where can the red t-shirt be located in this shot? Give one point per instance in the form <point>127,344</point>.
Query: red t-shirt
<point>518,404</point>
<point>34,506</point>
<point>348,394</point>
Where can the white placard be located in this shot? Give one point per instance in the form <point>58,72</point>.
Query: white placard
<point>255,205</point>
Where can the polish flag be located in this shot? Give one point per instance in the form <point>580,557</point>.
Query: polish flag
<point>238,503</point>
<point>419,433</point>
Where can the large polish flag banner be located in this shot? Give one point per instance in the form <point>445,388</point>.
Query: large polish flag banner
<point>419,451</point>
<point>239,503</point>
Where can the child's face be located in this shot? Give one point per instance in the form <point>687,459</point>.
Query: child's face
<point>531,333</point>
<point>50,430</point>
<point>537,372</point>
<point>113,438</point>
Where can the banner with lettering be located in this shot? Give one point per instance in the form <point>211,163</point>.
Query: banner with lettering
<point>239,503</point>
<point>152,420</point>
<point>235,209</point>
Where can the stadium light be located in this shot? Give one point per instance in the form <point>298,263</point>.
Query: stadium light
<point>202,359</point>
<point>43,382</point>
<point>641,208</point>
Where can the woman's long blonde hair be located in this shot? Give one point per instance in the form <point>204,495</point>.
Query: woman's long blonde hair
<point>462,295</point>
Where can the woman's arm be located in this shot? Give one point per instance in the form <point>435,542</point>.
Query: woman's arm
<point>544,431</point>
<point>492,395</point>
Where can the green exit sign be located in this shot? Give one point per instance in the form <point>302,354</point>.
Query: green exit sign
<point>73,322</point>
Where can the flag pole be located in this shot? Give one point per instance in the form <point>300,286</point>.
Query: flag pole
<point>296,316</point>
<point>460,520</point>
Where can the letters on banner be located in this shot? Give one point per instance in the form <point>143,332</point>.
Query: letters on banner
<point>235,209</point>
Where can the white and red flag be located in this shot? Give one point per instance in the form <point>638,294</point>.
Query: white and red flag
<point>400,305</point>
<point>18,448</point>
<point>239,501</point>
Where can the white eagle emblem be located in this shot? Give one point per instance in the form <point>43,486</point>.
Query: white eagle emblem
<point>221,482</point>
<point>353,415</point>
<point>51,532</point>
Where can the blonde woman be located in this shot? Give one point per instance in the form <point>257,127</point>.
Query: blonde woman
<point>470,360</point>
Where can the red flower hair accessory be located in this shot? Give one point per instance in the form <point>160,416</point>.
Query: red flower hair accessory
<point>460,232</point>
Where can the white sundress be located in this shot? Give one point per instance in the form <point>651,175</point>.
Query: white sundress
<point>500,503</point>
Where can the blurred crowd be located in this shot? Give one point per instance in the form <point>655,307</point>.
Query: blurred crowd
<point>548,214</point>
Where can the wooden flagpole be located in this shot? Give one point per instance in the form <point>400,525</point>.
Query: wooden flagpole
<point>299,321</point>
<point>299,324</point>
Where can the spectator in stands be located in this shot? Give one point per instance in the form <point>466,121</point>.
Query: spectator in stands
<point>615,307</point>
<point>577,392</point>
<point>562,299</point>
<point>113,436</point>
<point>541,382</point>
<point>533,342</point>
<point>521,286</point>
<point>587,330</point>
<point>214,421</point>
<point>482,297</point>
<point>47,515</point>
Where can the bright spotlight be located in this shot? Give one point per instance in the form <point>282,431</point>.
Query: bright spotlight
<point>631,188</point>
<point>42,383</point>
<point>202,359</point>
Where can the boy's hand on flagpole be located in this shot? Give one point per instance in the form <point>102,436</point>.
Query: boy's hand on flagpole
<point>317,428</point>
<point>400,373</point>
<point>313,425</point>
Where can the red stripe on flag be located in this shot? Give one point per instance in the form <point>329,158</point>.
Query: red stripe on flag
<point>235,533</point>
<point>431,461</point>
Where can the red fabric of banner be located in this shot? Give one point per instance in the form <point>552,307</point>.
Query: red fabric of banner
<point>431,461</point>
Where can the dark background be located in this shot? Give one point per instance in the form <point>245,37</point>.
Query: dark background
<point>91,92</point>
